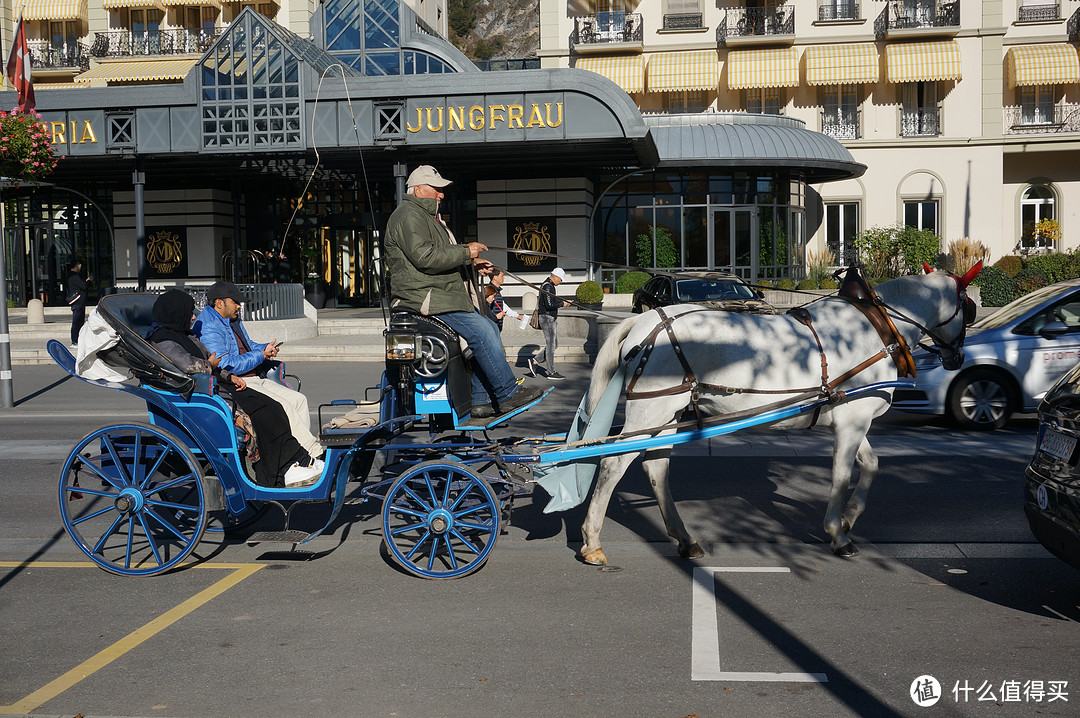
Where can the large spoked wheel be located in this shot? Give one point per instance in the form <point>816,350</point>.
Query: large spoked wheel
<point>440,520</point>
<point>980,400</point>
<point>131,498</point>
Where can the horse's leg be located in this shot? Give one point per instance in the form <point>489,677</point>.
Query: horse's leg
<point>848,439</point>
<point>656,464</point>
<point>612,469</point>
<point>868,468</point>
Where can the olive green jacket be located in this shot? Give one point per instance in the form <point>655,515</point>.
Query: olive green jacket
<point>423,266</point>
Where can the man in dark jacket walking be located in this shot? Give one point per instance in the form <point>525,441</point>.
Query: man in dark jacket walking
<point>75,290</point>
<point>548,305</point>
<point>427,271</point>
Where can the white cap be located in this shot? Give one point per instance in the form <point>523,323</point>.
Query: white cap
<point>426,174</point>
<point>558,272</point>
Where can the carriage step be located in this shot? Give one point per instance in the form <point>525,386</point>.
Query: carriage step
<point>292,536</point>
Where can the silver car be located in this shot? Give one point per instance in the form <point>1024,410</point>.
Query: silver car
<point>1012,357</point>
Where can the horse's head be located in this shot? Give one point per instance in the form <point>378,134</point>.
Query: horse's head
<point>949,333</point>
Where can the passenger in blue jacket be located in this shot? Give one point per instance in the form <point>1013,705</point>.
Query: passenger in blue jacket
<point>219,327</point>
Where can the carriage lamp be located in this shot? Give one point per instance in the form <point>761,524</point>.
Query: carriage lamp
<point>401,339</point>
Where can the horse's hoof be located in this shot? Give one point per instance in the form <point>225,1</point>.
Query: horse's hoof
<point>595,558</point>
<point>694,550</point>
<point>846,551</point>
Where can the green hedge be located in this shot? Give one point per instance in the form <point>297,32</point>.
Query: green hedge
<point>589,292</point>
<point>996,287</point>
<point>631,282</point>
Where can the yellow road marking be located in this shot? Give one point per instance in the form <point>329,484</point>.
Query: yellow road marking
<point>133,639</point>
<point>90,564</point>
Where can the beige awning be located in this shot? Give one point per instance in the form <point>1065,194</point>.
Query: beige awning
<point>123,4</point>
<point>54,10</point>
<point>690,70</point>
<point>626,71</point>
<point>847,64</point>
<point>923,61</point>
<point>138,71</point>
<point>39,86</point>
<point>1056,64</point>
<point>193,3</point>
<point>773,67</point>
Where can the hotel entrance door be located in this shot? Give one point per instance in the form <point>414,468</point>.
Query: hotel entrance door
<point>732,241</point>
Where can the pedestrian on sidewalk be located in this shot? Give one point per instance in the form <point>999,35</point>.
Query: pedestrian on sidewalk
<point>498,306</point>
<point>548,305</point>
<point>75,290</point>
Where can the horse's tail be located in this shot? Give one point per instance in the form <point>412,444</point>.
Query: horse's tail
<point>607,360</point>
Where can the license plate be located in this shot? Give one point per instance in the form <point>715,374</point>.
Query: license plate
<point>1057,445</point>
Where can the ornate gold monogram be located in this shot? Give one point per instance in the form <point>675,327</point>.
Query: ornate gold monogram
<point>534,237</point>
<point>164,251</point>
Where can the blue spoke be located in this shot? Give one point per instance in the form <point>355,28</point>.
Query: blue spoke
<point>462,495</point>
<point>484,528</point>
<point>150,538</point>
<point>450,550</point>
<point>108,532</point>
<point>473,510</point>
<point>409,511</point>
<point>91,492</point>
<point>166,524</point>
<point>468,544</point>
<point>186,478</point>
<point>418,545</point>
<point>431,490</point>
<point>404,529</point>
<point>153,470</point>
<point>416,498</point>
<point>107,509</point>
<point>130,538</point>
<point>135,462</point>
<point>171,505</point>
<point>107,479</point>
<point>125,476</point>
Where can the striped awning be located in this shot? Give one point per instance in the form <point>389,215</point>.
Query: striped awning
<point>690,70</point>
<point>923,61</point>
<point>848,64</point>
<point>54,10</point>
<point>138,71</point>
<point>1056,64</point>
<point>121,4</point>
<point>193,3</point>
<point>626,71</point>
<point>39,86</point>
<point>773,67</point>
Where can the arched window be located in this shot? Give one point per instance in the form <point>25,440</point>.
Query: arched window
<point>1037,205</point>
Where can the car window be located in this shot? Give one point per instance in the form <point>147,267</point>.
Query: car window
<point>652,287</point>
<point>712,290</point>
<point>1066,311</point>
<point>1019,307</point>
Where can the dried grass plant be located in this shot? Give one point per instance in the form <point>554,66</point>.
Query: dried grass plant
<point>964,253</point>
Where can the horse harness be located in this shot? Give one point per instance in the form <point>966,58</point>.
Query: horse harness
<point>854,288</point>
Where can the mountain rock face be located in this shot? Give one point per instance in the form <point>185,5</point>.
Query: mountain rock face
<point>495,29</point>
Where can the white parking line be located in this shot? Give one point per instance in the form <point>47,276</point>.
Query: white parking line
<point>705,633</point>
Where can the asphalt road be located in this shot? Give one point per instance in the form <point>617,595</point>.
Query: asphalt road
<point>949,583</point>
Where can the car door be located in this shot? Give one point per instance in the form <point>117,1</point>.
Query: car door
<point>1042,357</point>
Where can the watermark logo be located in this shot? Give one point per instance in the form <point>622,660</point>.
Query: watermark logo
<point>925,691</point>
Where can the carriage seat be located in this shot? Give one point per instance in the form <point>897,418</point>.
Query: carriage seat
<point>131,316</point>
<point>458,373</point>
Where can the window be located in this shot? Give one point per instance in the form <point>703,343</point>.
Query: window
<point>1037,105</point>
<point>763,101</point>
<point>841,230</point>
<point>840,112</point>
<point>920,115</point>
<point>1036,205</point>
<point>838,10</point>
<point>922,214</point>
<point>688,101</point>
<point>682,14</point>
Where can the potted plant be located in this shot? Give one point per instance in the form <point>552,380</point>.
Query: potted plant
<point>589,295</point>
<point>26,151</point>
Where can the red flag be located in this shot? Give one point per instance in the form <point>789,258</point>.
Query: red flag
<point>18,68</point>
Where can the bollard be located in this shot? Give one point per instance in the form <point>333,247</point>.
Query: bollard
<point>35,312</point>
<point>528,302</point>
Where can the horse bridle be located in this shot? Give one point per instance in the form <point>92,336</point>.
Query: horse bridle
<point>964,305</point>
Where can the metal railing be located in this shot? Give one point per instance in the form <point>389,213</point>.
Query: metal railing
<point>756,22</point>
<point>46,56</point>
<point>839,11</point>
<point>124,43</point>
<point>1072,27</point>
<point>265,301</point>
<point>843,125</point>
<point>682,20</point>
<point>528,63</point>
<point>1035,13</point>
<point>1031,120</point>
<point>920,122</point>
<point>608,27</point>
<point>909,15</point>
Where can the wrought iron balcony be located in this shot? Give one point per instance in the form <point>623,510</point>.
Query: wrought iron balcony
<point>838,11</point>
<point>124,43</point>
<point>921,14</point>
<point>1035,13</point>
<point>920,122</point>
<point>1072,27</point>
<point>608,27</point>
<point>842,125</point>
<point>68,56</point>
<point>1042,120</point>
<point>756,22</point>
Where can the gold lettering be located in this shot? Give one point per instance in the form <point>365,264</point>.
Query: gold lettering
<point>58,133</point>
<point>455,116</point>
<point>87,133</point>
<point>494,115</point>
<point>410,128</point>
<point>430,128</point>
<point>514,115</point>
<point>73,140</point>
<point>476,117</point>
<point>535,118</point>
<point>547,106</point>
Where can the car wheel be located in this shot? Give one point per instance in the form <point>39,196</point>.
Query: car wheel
<point>980,399</point>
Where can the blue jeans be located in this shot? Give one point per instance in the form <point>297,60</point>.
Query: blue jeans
<point>495,378</point>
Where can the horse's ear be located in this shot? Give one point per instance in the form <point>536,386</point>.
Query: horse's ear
<point>927,268</point>
<point>969,275</point>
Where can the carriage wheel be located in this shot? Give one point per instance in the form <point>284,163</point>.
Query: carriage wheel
<point>131,498</point>
<point>440,520</point>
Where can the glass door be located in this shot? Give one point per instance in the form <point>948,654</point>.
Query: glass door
<point>732,245</point>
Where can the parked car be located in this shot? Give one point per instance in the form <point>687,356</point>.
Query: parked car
<point>718,290</point>
<point>1011,359</point>
<point>1052,479</point>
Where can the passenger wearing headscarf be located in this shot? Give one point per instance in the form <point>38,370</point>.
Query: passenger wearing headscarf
<point>277,457</point>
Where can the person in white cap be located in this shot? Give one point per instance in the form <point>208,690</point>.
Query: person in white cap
<point>548,305</point>
<point>427,271</point>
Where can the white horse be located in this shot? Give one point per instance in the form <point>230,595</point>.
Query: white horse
<point>776,358</point>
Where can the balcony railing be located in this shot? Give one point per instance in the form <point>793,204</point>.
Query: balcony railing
<point>123,43</point>
<point>608,27</point>
<point>528,63</point>
<point>1035,13</point>
<point>920,122</point>
<point>842,125</point>
<point>756,22</point>
<point>682,20</point>
<point>1041,120</point>
<point>838,11</point>
<point>68,56</point>
<point>1072,27</point>
<point>909,15</point>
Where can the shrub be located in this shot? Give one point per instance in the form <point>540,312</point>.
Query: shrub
<point>828,283</point>
<point>996,287</point>
<point>631,282</point>
<point>964,253</point>
<point>819,265</point>
<point>890,252</point>
<point>589,292</point>
<point>1055,267</point>
<point>807,284</point>
<point>667,255</point>
<point>1029,279</point>
<point>785,283</point>
<point>1010,264</point>
<point>764,284</point>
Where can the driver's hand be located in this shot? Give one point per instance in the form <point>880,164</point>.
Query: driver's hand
<point>475,248</point>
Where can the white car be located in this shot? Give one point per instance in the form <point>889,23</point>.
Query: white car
<point>1011,358</point>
